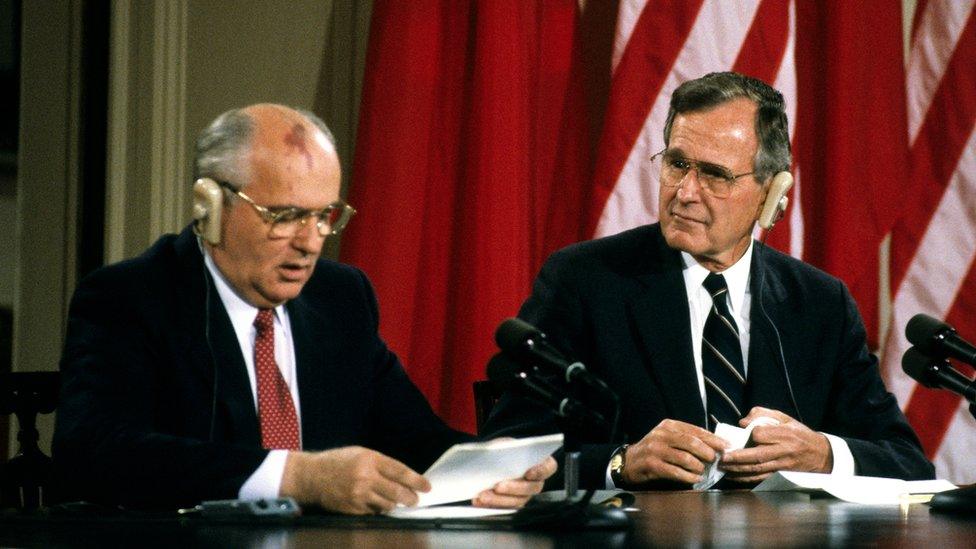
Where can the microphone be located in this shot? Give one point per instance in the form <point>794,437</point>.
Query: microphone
<point>937,339</point>
<point>526,342</point>
<point>510,375</point>
<point>935,373</point>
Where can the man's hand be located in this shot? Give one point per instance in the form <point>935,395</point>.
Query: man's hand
<point>674,450</point>
<point>351,480</point>
<point>514,493</point>
<point>789,446</point>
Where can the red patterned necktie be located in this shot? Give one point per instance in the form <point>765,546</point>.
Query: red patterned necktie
<point>276,410</point>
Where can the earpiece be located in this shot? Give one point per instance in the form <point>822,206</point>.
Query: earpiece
<point>208,202</point>
<point>776,200</point>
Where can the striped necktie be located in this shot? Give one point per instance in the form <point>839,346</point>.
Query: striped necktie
<point>721,352</point>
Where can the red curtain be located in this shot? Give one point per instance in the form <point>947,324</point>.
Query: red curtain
<point>470,157</point>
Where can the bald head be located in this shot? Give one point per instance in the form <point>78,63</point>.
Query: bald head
<point>224,148</point>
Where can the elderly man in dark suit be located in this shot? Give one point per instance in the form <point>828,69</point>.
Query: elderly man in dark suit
<point>231,361</point>
<point>694,323</point>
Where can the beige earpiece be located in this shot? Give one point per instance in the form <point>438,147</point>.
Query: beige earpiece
<point>776,200</point>
<point>208,202</point>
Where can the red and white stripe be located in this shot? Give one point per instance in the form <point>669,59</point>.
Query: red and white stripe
<point>934,244</point>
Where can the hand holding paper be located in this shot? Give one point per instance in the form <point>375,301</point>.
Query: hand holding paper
<point>500,473</point>
<point>788,446</point>
<point>514,493</point>
<point>737,438</point>
<point>673,450</point>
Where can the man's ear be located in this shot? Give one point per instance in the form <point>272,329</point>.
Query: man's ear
<point>774,206</point>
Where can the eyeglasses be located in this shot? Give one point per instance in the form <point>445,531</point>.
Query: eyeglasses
<point>716,180</point>
<point>286,222</point>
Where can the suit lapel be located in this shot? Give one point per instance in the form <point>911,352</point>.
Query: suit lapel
<point>211,345</point>
<point>661,316</point>
<point>769,329</point>
<point>317,360</point>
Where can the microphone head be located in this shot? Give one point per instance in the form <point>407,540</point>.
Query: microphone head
<point>513,334</point>
<point>502,370</point>
<point>919,367</point>
<point>922,331</point>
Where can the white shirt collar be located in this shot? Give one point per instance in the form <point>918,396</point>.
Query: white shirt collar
<point>736,277</point>
<point>241,313</point>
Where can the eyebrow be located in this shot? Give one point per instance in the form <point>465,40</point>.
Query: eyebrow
<point>681,154</point>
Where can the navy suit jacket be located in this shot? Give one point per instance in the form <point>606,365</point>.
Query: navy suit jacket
<point>619,305</point>
<point>156,408</point>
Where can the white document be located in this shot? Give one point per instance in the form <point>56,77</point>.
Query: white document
<point>467,469</point>
<point>737,437</point>
<point>447,512</point>
<point>855,489</point>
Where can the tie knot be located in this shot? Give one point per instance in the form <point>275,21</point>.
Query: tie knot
<point>715,284</point>
<point>265,320</point>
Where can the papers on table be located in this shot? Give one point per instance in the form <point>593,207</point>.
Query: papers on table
<point>855,489</point>
<point>737,438</point>
<point>447,512</point>
<point>467,469</point>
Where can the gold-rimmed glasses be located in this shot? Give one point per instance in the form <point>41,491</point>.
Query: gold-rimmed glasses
<point>716,180</point>
<point>286,222</point>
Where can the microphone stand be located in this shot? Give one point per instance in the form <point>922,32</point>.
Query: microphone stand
<point>573,513</point>
<point>961,501</point>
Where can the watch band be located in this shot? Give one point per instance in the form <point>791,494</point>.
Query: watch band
<point>617,461</point>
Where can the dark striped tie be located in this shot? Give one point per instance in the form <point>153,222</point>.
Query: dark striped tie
<point>725,380</point>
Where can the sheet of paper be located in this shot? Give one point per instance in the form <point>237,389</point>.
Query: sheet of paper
<point>737,438</point>
<point>447,512</point>
<point>854,489</point>
<point>467,469</point>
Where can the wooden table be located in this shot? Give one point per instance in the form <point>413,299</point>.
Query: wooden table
<point>695,519</point>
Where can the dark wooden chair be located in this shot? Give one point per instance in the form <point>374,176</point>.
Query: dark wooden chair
<point>486,395</point>
<point>26,480</point>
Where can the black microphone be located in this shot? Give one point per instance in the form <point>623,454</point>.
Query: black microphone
<point>526,342</point>
<point>510,375</point>
<point>937,339</point>
<point>935,373</point>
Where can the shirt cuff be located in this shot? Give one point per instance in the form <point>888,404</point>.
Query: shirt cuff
<point>843,458</point>
<point>609,482</point>
<point>265,481</point>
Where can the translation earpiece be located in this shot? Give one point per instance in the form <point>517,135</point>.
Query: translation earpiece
<point>776,200</point>
<point>208,201</point>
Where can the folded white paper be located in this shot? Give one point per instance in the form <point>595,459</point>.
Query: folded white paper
<point>467,469</point>
<point>855,489</point>
<point>737,437</point>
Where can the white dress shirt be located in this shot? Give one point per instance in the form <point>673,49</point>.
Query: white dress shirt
<point>740,305</point>
<point>265,482</point>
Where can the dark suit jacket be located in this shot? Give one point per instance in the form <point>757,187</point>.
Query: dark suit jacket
<point>156,407</point>
<point>619,305</point>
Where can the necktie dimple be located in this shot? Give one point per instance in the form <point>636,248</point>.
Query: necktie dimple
<point>722,364</point>
<point>276,410</point>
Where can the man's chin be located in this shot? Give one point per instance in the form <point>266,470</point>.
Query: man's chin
<point>283,291</point>
<point>681,240</point>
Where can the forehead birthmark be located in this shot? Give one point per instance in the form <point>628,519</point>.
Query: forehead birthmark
<point>296,139</point>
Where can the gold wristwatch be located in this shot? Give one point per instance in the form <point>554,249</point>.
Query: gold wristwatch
<point>617,461</point>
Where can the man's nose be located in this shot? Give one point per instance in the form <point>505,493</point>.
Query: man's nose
<point>689,188</point>
<point>307,237</point>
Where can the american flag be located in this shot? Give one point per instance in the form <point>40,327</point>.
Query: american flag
<point>934,242</point>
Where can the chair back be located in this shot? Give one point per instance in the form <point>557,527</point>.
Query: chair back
<point>26,480</point>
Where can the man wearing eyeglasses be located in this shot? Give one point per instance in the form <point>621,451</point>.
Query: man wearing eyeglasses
<point>695,324</point>
<point>231,361</point>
